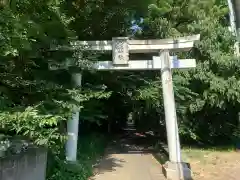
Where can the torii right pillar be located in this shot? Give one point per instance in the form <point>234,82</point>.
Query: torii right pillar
<point>174,169</point>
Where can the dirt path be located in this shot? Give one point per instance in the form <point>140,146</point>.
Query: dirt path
<point>129,158</point>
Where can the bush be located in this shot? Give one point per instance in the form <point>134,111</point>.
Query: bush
<point>91,147</point>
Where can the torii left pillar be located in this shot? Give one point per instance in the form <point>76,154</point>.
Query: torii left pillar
<point>72,125</point>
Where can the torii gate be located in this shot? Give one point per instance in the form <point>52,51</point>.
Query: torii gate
<point>121,47</point>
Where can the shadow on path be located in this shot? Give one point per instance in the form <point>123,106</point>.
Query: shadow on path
<point>131,155</point>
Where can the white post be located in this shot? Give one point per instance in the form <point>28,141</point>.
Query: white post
<point>72,126</point>
<point>169,108</point>
<point>236,9</point>
<point>232,16</point>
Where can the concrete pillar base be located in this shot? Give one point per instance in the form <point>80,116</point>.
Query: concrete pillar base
<point>177,171</point>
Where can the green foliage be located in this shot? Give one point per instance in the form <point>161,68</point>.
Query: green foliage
<point>32,124</point>
<point>205,96</point>
<point>36,102</point>
<point>101,20</point>
<point>89,151</point>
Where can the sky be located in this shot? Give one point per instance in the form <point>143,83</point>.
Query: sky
<point>136,25</point>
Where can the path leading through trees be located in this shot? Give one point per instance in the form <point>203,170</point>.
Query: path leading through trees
<point>129,158</point>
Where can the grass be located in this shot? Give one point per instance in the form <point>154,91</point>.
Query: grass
<point>90,149</point>
<point>213,163</point>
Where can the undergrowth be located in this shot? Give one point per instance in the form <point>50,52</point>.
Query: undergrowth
<point>90,149</point>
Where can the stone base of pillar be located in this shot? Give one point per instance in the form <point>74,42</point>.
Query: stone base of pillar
<point>177,171</point>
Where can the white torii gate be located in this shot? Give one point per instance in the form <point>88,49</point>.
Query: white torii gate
<point>121,47</point>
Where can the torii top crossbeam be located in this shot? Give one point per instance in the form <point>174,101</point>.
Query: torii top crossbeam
<point>141,46</point>
<point>121,47</point>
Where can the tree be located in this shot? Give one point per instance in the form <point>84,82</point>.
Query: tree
<point>34,100</point>
<point>205,96</point>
